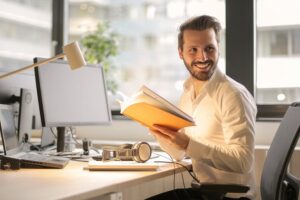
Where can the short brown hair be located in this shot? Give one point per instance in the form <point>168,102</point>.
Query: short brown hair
<point>199,23</point>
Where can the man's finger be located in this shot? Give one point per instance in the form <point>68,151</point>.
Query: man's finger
<point>165,131</point>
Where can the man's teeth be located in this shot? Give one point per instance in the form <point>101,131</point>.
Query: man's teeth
<point>202,66</point>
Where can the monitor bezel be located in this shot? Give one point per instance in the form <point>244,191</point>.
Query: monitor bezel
<point>64,124</point>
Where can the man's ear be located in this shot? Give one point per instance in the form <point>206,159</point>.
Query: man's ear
<point>180,53</point>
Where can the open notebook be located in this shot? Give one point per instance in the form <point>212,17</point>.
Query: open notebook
<point>12,148</point>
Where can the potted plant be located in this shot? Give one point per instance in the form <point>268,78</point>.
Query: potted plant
<point>100,46</point>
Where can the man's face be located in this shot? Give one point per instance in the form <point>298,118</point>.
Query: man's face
<point>200,53</point>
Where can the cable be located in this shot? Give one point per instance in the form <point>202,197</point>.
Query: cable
<point>152,157</point>
<point>75,139</point>
<point>174,173</point>
<point>171,159</point>
<point>182,179</point>
<point>174,162</point>
<point>73,131</point>
<point>191,174</point>
<point>35,146</point>
<point>53,132</point>
<point>95,149</point>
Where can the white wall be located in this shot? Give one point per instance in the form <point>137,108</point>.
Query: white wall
<point>124,130</point>
<point>127,130</point>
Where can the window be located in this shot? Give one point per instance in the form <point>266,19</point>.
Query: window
<point>25,32</point>
<point>296,41</point>
<point>147,37</point>
<point>278,52</point>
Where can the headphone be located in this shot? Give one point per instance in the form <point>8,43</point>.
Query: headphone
<point>139,152</point>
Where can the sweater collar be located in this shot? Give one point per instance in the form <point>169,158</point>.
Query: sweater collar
<point>210,84</point>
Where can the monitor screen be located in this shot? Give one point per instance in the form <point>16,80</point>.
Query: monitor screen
<point>71,97</point>
<point>8,129</point>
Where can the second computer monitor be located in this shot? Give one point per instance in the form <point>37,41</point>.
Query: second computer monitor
<point>71,97</point>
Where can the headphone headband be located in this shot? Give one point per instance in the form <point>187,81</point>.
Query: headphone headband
<point>139,152</point>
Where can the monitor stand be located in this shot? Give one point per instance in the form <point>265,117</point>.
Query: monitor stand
<point>60,139</point>
<point>47,140</point>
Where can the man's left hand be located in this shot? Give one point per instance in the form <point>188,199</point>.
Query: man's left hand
<point>177,139</point>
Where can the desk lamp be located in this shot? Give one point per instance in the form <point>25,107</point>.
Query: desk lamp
<point>71,51</point>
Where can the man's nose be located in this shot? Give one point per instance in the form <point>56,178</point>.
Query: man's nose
<point>202,56</point>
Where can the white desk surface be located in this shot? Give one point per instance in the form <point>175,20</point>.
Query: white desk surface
<point>72,182</point>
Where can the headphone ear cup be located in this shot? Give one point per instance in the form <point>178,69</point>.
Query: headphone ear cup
<point>141,151</point>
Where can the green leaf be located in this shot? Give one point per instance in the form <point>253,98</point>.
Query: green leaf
<point>98,47</point>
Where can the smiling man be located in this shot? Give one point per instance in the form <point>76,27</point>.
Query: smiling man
<point>221,145</point>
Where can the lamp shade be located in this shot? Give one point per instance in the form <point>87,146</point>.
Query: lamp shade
<point>74,55</point>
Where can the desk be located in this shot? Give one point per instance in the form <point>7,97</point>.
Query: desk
<point>74,183</point>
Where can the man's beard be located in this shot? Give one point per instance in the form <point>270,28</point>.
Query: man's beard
<point>200,75</point>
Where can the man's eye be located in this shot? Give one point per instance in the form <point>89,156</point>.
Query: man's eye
<point>210,49</point>
<point>193,50</point>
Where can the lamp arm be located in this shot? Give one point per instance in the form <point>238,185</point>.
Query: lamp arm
<point>33,65</point>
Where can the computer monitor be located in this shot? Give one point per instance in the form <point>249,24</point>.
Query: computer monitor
<point>14,91</point>
<point>71,97</point>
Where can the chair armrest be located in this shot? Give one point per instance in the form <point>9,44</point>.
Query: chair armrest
<point>220,188</point>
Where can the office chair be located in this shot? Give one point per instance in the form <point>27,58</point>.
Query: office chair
<point>276,182</point>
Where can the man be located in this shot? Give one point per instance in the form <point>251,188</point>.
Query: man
<point>221,145</point>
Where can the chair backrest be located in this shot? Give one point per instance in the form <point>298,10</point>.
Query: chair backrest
<point>276,182</point>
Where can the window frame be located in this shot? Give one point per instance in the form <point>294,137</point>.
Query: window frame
<point>240,61</point>
<point>60,13</point>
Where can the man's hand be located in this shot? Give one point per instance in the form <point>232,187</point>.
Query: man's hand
<point>173,138</point>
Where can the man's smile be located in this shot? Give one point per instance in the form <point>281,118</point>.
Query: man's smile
<point>205,67</point>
